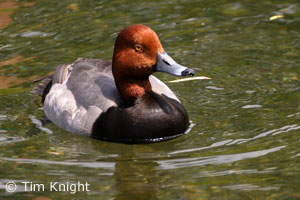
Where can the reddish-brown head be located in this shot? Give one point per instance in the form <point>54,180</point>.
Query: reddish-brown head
<point>138,53</point>
<point>134,56</point>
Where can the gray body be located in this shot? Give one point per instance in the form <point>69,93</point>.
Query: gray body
<point>83,90</point>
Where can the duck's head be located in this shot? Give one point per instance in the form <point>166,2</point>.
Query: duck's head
<point>138,53</point>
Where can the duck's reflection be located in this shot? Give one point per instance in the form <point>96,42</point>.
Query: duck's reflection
<point>134,174</point>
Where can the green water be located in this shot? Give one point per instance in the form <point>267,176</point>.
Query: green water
<point>245,142</point>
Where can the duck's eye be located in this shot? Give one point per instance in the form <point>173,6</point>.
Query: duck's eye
<point>139,48</point>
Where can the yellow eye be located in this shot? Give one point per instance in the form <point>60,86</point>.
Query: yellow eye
<point>138,48</point>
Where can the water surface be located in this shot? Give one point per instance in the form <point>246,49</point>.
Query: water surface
<point>245,139</point>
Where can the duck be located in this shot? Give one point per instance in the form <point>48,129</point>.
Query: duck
<point>119,100</point>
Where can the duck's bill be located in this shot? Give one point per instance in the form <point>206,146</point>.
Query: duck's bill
<point>164,63</point>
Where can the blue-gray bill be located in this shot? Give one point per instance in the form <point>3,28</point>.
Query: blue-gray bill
<point>164,63</point>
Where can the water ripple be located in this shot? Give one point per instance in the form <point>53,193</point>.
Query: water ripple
<point>39,124</point>
<point>217,144</point>
<point>273,132</point>
<point>213,160</point>
<point>251,106</point>
<point>283,129</point>
<point>5,139</point>
<point>103,165</point>
<point>230,172</point>
<point>249,187</point>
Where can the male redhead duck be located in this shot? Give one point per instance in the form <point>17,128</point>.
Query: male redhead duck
<point>118,101</point>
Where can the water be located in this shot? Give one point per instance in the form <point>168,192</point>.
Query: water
<point>245,142</point>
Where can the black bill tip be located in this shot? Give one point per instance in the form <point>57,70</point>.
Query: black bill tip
<point>188,72</point>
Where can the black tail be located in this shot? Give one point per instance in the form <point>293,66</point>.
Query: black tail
<point>44,87</point>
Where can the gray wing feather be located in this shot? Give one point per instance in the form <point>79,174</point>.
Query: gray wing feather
<point>61,73</point>
<point>94,76</point>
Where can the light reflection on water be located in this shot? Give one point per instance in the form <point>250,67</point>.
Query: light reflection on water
<point>284,129</point>
<point>249,187</point>
<point>214,160</point>
<point>101,165</point>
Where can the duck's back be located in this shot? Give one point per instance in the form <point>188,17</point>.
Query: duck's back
<point>80,92</point>
<point>92,84</point>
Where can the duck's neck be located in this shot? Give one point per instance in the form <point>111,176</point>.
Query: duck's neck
<point>132,88</point>
<point>131,78</point>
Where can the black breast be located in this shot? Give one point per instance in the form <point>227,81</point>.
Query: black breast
<point>152,118</point>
